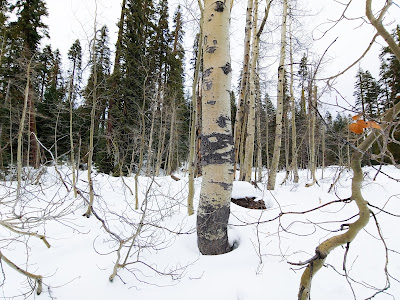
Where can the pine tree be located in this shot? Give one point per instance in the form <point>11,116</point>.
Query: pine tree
<point>51,110</point>
<point>367,93</point>
<point>26,32</point>
<point>102,159</point>
<point>390,73</point>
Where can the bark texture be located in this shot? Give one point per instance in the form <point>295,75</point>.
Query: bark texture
<point>240,113</point>
<point>279,109</point>
<point>216,140</point>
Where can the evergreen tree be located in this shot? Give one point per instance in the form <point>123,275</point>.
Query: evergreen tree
<point>52,124</point>
<point>367,93</point>
<point>175,86</point>
<point>26,33</point>
<point>101,158</point>
<point>390,73</point>
<point>303,74</point>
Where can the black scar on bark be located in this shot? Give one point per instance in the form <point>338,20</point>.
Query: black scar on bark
<point>211,102</point>
<point>215,42</point>
<point>219,6</point>
<point>208,85</point>
<point>222,121</point>
<point>209,149</point>
<point>227,68</point>
<point>211,49</point>
<point>224,185</point>
<point>207,72</point>
<point>211,220</point>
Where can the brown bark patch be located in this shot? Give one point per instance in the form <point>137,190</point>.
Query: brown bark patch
<point>250,203</point>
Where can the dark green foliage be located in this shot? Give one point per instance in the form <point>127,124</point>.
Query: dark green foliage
<point>390,73</point>
<point>367,92</point>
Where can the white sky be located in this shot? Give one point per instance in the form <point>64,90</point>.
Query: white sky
<point>72,19</point>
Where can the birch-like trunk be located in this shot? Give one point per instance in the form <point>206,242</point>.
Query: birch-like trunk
<point>92,117</point>
<point>240,113</point>
<point>279,109</point>
<point>142,142</point>
<point>216,142</point>
<point>312,112</point>
<point>294,166</point>
<point>20,133</point>
<point>192,150</point>
<point>171,139</point>
<point>71,136</point>
<point>250,129</point>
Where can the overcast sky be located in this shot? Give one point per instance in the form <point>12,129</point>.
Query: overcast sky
<point>73,19</point>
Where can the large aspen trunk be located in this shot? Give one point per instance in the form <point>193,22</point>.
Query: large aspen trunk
<point>240,113</point>
<point>279,109</point>
<point>216,142</point>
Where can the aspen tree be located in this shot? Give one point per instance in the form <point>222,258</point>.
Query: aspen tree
<point>20,133</point>
<point>192,146</point>
<point>75,56</point>
<point>216,141</point>
<point>323,250</point>
<point>171,139</point>
<point>312,111</point>
<point>142,142</point>
<point>240,113</point>
<point>92,117</point>
<point>251,99</point>
<point>279,109</point>
<point>251,102</point>
<point>293,113</point>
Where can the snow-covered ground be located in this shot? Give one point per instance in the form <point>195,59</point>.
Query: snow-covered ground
<point>164,262</point>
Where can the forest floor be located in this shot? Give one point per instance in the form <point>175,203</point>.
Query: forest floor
<point>162,260</point>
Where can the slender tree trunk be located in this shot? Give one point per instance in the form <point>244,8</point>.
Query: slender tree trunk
<point>142,142</point>
<point>150,152</point>
<point>279,110</point>
<point>11,132</point>
<point>312,112</point>
<point>92,121</point>
<point>294,166</point>
<point>259,147</point>
<point>248,160</point>
<point>323,129</point>
<point>33,145</point>
<point>240,113</point>
<point>6,100</point>
<point>20,134</point>
<point>192,150</point>
<point>267,139</point>
<point>216,142</point>
<point>171,140</point>
<point>161,139</point>
<point>71,136</point>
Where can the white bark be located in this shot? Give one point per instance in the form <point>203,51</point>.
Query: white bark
<point>216,142</point>
<point>279,110</point>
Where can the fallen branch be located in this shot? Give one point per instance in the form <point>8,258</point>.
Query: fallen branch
<point>37,278</point>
